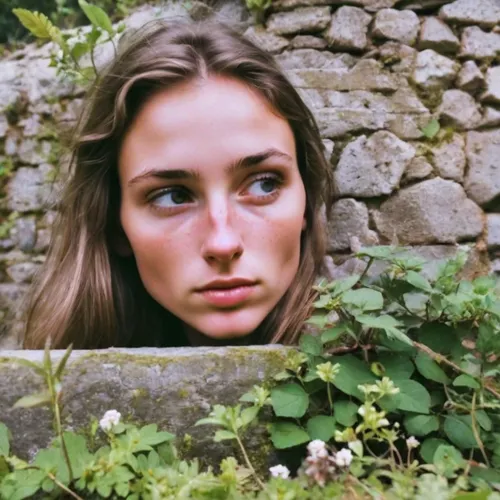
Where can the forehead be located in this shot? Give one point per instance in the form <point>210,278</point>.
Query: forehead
<point>203,121</point>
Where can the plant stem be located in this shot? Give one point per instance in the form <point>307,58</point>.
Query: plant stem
<point>247,460</point>
<point>440,358</point>
<point>367,268</point>
<point>329,392</point>
<point>475,430</point>
<point>67,490</point>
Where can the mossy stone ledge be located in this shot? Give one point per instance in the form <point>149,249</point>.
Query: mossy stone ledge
<point>170,387</point>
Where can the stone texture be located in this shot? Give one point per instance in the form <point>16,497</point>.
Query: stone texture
<point>4,125</point>
<point>308,42</point>
<point>348,29</point>
<point>28,190</point>
<point>399,25</point>
<point>432,211</point>
<point>460,110</point>
<point>349,219</point>
<point>482,181</point>
<point>24,233</point>
<point>171,387</point>
<point>493,230</point>
<point>478,44</point>
<point>449,158</point>
<point>492,92</point>
<point>470,77</point>
<point>399,57</point>
<point>372,167</point>
<point>483,12</point>
<point>366,75</point>
<point>23,272</point>
<point>34,152</point>
<point>317,59</point>
<point>369,5</point>
<point>436,35</point>
<point>434,71</point>
<point>491,117</point>
<point>265,40</point>
<point>300,20</point>
<point>11,295</point>
<point>419,168</point>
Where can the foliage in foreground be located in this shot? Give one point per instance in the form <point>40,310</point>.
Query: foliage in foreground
<point>396,398</point>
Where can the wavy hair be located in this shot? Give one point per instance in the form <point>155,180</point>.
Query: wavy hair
<point>90,296</point>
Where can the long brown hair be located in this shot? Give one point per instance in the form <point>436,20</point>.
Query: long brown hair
<point>90,296</point>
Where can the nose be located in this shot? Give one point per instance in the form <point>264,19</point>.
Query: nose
<point>223,242</point>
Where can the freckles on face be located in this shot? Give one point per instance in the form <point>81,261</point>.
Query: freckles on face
<point>212,204</point>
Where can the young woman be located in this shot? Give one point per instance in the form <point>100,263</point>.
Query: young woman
<point>193,215</point>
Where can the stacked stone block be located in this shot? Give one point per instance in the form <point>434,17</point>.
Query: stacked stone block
<point>375,73</point>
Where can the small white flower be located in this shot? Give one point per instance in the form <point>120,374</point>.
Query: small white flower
<point>317,449</point>
<point>362,411</point>
<point>383,422</point>
<point>343,458</point>
<point>109,420</point>
<point>412,442</point>
<point>279,471</point>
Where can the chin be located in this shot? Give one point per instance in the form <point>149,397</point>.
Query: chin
<point>229,326</point>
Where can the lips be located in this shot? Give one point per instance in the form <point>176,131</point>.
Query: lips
<point>228,293</point>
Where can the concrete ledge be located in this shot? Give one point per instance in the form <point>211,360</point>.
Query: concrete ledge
<point>171,387</point>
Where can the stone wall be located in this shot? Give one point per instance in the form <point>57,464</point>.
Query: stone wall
<point>374,72</point>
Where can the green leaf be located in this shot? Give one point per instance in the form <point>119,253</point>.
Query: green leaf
<point>311,345</point>
<point>321,427</point>
<point>429,369</point>
<point>287,434</point>
<point>412,397</point>
<point>150,436</point>
<point>418,281</point>
<point>396,366</point>
<point>249,414</point>
<point>439,337</point>
<point>38,24</point>
<point>79,50</point>
<point>78,454</point>
<point>466,381</point>
<point>484,420</point>
<point>364,299</point>
<point>33,400</point>
<point>345,413</point>
<point>289,400</point>
<point>222,435</point>
<point>97,16</point>
<point>333,333</point>
<point>387,323</point>
<point>62,363</point>
<point>488,474</point>
<point>343,285</point>
<point>380,252</point>
<point>429,447</point>
<point>447,460</point>
<point>458,429</point>
<point>421,425</point>
<point>31,364</point>
<point>353,372</point>
<point>431,129</point>
<point>4,440</point>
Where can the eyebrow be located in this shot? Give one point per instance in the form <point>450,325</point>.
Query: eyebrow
<point>242,163</point>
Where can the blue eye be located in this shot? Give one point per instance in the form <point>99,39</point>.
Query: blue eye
<point>263,186</point>
<point>172,197</point>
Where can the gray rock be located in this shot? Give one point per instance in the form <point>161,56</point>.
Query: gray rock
<point>31,125</point>
<point>449,159</point>
<point>491,117</point>
<point>170,387</point>
<point>372,167</point>
<point>483,12</point>
<point>328,145</point>
<point>279,5</point>
<point>10,145</point>
<point>436,35</point>
<point>432,211</point>
<point>34,152</point>
<point>493,229</point>
<point>349,218</point>
<point>11,297</point>
<point>348,29</point>
<point>495,266</point>
<point>24,233</point>
<point>300,20</point>
<point>266,41</point>
<point>198,11</point>
<point>470,77</point>
<point>308,42</point>
<point>434,71</point>
<point>459,109</point>
<point>369,5</point>
<point>313,98</point>
<point>400,57</point>
<point>28,190</point>
<point>42,240</point>
<point>317,59</point>
<point>478,44</point>
<point>4,125</point>
<point>23,272</point>
<point>492,92</point>
<point>399,25</point>
<point>366,75</point>
<point>482,181</point>
<point>418,168</point>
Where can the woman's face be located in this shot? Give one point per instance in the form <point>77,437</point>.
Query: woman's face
<point>212,204</point>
